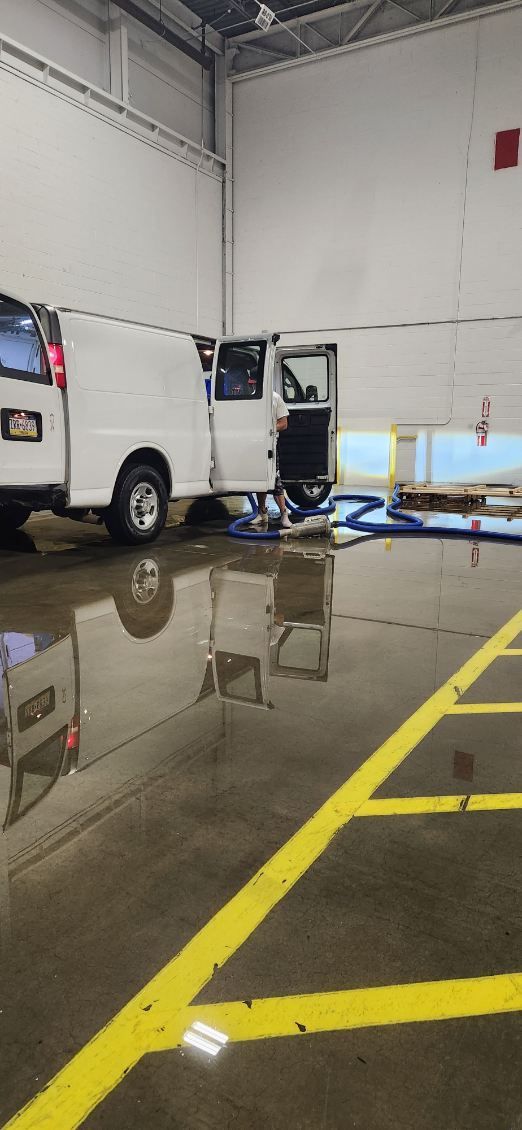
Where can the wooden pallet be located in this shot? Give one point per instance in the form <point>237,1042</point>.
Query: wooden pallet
<point>458,490</point>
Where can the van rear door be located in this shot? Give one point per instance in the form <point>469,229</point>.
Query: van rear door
<point>32,432</point>
<point>306,378</point>
<point>243,443</point>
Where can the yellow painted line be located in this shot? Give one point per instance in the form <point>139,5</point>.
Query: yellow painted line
<point>101,1064</point>
<point>392,458</point>
<point>417,805</point>
<point>486,708</point>
<point>511,651</point>
<point>311,1013</point>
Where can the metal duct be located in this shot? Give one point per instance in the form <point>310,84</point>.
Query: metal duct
<point>137,13</point>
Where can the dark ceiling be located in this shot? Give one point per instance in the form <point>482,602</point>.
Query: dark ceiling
<point>233,17</point>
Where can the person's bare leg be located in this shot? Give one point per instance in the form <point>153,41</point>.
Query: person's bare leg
<point>280,499</point>
<point>261,520</point>
<point>285,519</point>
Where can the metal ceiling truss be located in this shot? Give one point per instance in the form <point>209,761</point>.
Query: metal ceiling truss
<point>344,27</point>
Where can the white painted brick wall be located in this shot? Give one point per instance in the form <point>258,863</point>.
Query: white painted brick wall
<point>73,36</point>
<point>356,213</point>
<point>93,218</point>
<point>163,82</point>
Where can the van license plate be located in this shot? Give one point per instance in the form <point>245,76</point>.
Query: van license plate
<point>32,711</point>
<point>23,425</point>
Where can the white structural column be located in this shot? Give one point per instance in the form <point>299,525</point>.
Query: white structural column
<point>118,54</point>
<point>224,149</point>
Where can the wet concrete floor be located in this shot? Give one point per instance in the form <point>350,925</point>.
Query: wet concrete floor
<point>169,718</point>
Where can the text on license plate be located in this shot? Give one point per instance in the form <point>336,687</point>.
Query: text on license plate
<point>32,711</point>
<point>23,425</point>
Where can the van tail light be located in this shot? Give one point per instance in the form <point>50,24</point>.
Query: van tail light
<point>73,737</point>
<point>58,363</point>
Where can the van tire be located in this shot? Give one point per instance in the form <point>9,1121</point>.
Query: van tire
<point>138,511</point>
<point>308,495</point>
<point>13,515</point>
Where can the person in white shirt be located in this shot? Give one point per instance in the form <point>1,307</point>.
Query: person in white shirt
<point>280,418</point>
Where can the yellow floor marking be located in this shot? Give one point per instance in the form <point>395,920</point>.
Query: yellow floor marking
<point>310,1013</point>
<point>101,1064</point>
<point>417,805</point>
<point>486,708</point>
<point>511,651</point>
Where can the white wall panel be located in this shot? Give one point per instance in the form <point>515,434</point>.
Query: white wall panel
<point>168,85</point>
<point>163,82</point>
<point>491,272</point>
<point>71,34</point>
<point>93,218</point>
<point>349,185</point>
<point>367,210</point>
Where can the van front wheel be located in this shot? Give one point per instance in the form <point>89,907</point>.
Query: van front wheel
<point>138,510</point>
<point>13,515</point>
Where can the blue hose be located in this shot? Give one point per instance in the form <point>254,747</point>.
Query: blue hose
<point>236,530</point>
<point>407,525</point>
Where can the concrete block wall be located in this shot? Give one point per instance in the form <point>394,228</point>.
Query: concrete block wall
<point>162,81</point>
<point>91,216</point>
<point>367,208</point>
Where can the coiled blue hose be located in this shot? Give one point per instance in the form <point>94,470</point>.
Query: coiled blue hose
<point>407,525</point>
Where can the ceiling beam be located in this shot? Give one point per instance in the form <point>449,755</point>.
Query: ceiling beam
<point>403,8</point>
<point>362,22</point>
<point>446,8</point>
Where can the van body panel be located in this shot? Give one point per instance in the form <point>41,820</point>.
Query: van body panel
<point>128,387</point>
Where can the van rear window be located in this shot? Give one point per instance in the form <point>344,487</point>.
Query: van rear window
<point>22,355</point>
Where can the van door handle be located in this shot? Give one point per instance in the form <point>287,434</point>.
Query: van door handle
<point>270,453</point>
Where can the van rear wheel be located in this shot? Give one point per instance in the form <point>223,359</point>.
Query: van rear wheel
<point>308,495</point>
<point>13,515</point>
<point>138,511</point>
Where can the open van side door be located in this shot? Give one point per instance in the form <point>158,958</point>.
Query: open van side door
<point>241,415</point>
<point>304,588</point>
<point>242,607</point>
<point>306,378</point>
<point>32,428</point>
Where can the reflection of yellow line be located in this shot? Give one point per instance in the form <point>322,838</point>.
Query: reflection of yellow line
<point>416,805</point>
<point>102,1063</point>
<point>486,708</point>
<point>354,1008</point>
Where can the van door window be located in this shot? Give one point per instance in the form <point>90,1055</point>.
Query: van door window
<point>22,355</point>
<point>240,369</point>
<point>305,379</point>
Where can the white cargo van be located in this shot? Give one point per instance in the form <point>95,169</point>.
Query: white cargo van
<point>111,416</point>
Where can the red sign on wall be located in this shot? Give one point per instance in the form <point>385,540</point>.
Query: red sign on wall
<point>506,148</point>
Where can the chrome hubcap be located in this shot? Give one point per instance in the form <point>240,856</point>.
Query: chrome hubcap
<point>144,506</point>
<point>145,581</point>
<point>312,489</point>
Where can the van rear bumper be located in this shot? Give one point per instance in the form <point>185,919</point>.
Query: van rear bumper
<point>36,497</point>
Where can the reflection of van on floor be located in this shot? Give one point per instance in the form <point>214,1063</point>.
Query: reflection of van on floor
<point>111,416</point>
<point>114,682</point>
